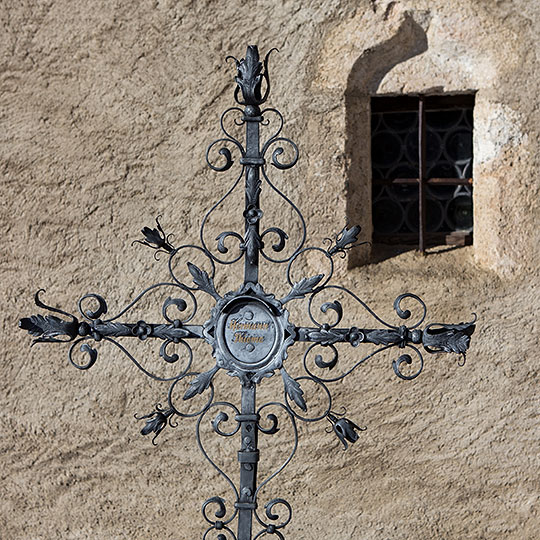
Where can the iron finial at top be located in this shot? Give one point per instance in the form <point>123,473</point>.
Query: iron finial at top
<point>251,73</point>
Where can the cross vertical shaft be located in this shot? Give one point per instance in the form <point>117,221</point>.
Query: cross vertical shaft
<point>252,162</point>
<point>248,457</point>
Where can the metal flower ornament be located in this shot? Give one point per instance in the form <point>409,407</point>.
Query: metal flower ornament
<point>249,329</point>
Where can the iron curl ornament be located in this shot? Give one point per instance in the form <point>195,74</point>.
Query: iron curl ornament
<point>249,330</point>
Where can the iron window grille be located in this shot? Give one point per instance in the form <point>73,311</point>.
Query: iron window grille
<point>422,158</point>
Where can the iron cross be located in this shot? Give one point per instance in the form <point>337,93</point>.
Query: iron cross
<point>249,329</point>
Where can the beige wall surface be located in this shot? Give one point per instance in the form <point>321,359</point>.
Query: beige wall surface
<point>106,111</point>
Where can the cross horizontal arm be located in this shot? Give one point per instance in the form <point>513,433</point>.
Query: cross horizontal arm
<point>144,330</point>
<point>355,336</point>
<point>50,328</point>
<point>435,337</point>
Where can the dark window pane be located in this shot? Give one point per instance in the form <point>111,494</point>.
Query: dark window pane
<point>469,117</point>
<point>443,169</point>
<point>411,149</point>
<point>386,149</point>
<point>387,216</point>
<point>443,120</point>
<point>389,132</point>
<point>404,121</point>
<point>378,173</point>
<point>404,192</point>
<point>434,216</point>
<point>433,147</point>
<point>441,193</point>
<point>459,145</point>
<point>449,154</point>
<point>378,191</point>
<point>459,212</point>
<point>403,171</point>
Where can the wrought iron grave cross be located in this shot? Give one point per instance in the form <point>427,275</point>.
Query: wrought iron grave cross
<point>249,329</point>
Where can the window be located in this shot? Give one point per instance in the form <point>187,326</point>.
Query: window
<point>421,156</point>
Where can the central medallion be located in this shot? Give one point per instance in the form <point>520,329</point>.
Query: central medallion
<point>249,331</point>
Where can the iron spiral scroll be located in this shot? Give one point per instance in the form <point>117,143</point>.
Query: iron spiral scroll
<point>249,329</point>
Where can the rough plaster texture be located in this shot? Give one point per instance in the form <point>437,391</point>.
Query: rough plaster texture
<point>106,109</point>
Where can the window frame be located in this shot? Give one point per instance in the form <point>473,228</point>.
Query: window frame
<point>421,104</point>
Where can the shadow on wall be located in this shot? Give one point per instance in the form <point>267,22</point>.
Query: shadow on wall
<point>366,75</point>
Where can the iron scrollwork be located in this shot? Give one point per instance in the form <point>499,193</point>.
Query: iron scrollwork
<point>249,329</point>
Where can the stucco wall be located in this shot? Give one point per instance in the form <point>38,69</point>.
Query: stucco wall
<point>106,112</point>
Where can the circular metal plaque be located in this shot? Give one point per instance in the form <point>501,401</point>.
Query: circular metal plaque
<point>250,333</point>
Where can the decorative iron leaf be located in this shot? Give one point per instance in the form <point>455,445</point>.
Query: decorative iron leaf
<point>200,383</point>
<point>326,337</point>
<point>459,343</point>
<point>293,390</point>
<point>302,287</point>
<point>250,77</point>
<point>252,243</point>
<point>249,71</point>
<point>168,331</point>
<point>36,324</point>
<point>114,329</point>
<point>152,236</point>
<point>155,238</point>
<point>348,236</point>
<point>382,337</point>
<point>454,338</point>
<point>451,341</point>
<point>253,188</point>
<point>345,240</point>
<point>48,327</point>
<point>203,280</point>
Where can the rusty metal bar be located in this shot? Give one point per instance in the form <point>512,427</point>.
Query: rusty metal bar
<point>421,175</point>
<point>428,181</point>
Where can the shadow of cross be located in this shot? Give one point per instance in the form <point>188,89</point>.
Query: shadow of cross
<point>249,329</point>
